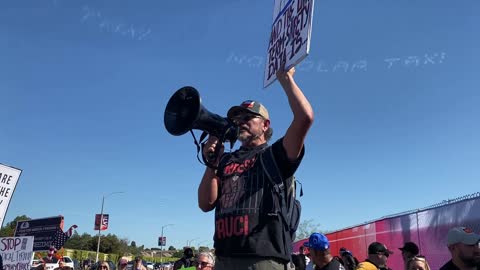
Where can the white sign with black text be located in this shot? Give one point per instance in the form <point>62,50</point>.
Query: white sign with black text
<point>8,181</point>
<point>289,41</point>
<point>16,252</point>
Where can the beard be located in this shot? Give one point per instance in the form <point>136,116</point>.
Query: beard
<point>246,136</point>
<point>469,261</point>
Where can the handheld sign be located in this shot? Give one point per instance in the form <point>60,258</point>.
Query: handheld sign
<point>290,38</point>
<point>17,252</point>
<point>8,181</point>
<point>43,230</point>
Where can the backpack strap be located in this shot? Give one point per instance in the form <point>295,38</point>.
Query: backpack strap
<point>281,207</point>
<point>274,176</point>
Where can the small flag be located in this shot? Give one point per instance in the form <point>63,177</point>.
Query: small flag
<point>61,237</point>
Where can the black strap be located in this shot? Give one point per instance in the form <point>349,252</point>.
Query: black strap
<point>270,168</point>
<point>200,144</point>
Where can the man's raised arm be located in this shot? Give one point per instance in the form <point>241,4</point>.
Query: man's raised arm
<point>302,114</point>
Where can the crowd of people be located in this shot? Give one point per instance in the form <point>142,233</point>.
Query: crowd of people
<point>462,243</point>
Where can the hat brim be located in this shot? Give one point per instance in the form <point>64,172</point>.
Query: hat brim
<point>472,240</point>
<point>236,110</point>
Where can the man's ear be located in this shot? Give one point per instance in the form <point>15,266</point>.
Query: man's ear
<point>266,124</point>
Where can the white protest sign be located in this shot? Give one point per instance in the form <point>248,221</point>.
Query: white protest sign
<point>17,252</point>
<point>290,38</point>
<point>8,181</point>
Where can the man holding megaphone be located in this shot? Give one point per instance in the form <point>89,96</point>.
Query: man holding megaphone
<point>247,235</point>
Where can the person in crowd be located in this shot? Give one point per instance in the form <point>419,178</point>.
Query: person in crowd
<point>409,250</point>
<point>377,258</point>
<point>138,264</point>
<point>237,186</point>
<point>186,261</point>
<point>348,260</point>
<point>122,263</point>
<point>86,264</point>
<point>205,261</point>
<point>320,253</point>
<point>298,261</point>
<point>417,262</point>
<point>103,265</point>
<point>305,254</point>
<point>464,247</point>
<point>62,265</point>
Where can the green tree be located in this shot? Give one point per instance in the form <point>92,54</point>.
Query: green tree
<point>74,242</point>
<point>202,249</point>
<point>306,228</point>
<point>9,229</point>
<point>170,248</point>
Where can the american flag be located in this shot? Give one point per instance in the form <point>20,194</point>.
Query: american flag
<point>61,237</point>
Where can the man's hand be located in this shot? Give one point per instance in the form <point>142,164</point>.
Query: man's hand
<point>209,150</point>
<point>285,77</point>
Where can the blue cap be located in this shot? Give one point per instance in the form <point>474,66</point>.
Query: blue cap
<point>317,241</point>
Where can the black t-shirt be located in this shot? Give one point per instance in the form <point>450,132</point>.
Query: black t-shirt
<point>243,226</point>
<point>451,266</point>
<point>332,265</point>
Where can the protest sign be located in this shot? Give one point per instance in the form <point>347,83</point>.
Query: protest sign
<point>290,37</point>
<point>44,231</point>
<point>8,181</point>
<point>17,252</point>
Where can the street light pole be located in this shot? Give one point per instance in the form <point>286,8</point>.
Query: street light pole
<point>101,220</point>
<point>161,246</point>
<point>189,242</point>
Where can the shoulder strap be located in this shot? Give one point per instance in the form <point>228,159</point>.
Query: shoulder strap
<point>274,176</point>
<point>271,169</point>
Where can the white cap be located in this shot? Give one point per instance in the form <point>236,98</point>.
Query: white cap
<point>462,235</point>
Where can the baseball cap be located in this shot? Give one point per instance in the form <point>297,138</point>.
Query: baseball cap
<point>410,247</point>
<point>317,241</point>
<point>462,235</point>
<point>376,247</point>
<point>252,106</point>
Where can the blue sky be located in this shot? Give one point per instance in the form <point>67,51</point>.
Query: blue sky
<point>84,85</point>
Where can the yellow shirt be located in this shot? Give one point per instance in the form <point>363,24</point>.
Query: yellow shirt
<point>366,266</point>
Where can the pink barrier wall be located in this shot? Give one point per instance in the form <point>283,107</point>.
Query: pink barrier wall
<point>427,228</point>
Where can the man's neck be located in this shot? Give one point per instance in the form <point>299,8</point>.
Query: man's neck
<point>253,143</point>
<point>458,263</point>
<point>324,261</point>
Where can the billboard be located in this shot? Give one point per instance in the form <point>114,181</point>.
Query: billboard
<point>426,227</point>
<point>43,230</point>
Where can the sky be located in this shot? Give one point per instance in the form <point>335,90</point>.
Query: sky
<point>84,84</point>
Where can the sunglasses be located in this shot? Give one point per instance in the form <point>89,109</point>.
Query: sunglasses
<point>103,267</point>
<point>203,264</point>
<point>243,118</point>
